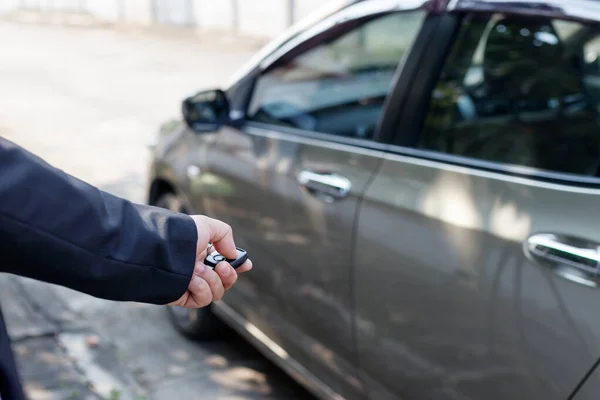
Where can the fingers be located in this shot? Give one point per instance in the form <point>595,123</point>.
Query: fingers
<point>213,280</point>
<point>245,267</point>
<point>207,285</point>
<point>200,294</point>
<point>214,235</point>
<point>221,238</point>
<point>227,274</point>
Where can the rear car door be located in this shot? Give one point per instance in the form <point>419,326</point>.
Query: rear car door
<point>477,262</point>
<point>590,387</point>
<point>290,176</point>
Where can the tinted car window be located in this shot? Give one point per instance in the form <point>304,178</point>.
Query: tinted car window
<point>521,91</point>
<point>338,86</point>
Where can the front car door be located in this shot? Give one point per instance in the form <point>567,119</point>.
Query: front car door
<point>477,274</point>
<point>289,178</point>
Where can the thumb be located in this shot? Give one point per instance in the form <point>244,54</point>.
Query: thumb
<point>221,237</point>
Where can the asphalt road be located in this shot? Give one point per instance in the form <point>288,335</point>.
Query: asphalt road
<point>87,100</point>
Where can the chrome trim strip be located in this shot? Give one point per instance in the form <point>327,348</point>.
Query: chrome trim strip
<point>377,149</point>
<point>466,170</point>
<point>274,352</point>
<point>384,150</point>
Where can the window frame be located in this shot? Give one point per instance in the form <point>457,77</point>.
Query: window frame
<point>345,20</point>
<point>408,130</point>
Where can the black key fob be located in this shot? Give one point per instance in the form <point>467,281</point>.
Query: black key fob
<point>214,258</point>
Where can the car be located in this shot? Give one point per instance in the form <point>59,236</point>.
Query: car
<point>418,185</point>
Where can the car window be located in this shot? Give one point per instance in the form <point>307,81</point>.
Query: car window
<point>338,86</point>
<point>520,91</point>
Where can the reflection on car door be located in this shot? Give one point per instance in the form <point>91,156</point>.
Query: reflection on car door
<point>481,278</point>
<point>290,180</point>
<point>294,214</point>
<point>450,304</point>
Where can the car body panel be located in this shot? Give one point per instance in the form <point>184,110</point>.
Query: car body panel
<point>274,352</point>
<point>590,386</point>
<point>167,164</point>
<point>449,306</point>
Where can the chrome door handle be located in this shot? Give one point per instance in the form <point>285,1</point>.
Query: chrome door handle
<point>332,186</point>
<point>574,259</point>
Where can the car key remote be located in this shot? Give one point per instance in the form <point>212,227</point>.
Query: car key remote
<point>214,258</point>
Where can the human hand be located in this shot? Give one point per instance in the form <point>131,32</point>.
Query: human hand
<point>208,285</point>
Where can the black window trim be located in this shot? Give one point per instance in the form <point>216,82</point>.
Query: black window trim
<point>409,127</point>
<point>405,104</point>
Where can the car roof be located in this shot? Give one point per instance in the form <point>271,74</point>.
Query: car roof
<point>588,10</point>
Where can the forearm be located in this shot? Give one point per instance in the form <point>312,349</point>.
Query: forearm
<point>58,229</point>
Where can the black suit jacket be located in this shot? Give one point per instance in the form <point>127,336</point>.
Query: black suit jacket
<point>58,229</point>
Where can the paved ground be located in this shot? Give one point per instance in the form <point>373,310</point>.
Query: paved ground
<point>86,100</point>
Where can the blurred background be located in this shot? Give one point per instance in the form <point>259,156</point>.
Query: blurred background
<point>262,18</point>
<point>85,84</point>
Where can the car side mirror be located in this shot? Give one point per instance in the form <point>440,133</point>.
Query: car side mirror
<point>206,111</point>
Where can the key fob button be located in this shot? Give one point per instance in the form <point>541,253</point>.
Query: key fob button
<point>214,258</point>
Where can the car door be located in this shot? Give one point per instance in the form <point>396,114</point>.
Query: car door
<point>477,241</point>
<point>290,176</point>
<point>590,386</point>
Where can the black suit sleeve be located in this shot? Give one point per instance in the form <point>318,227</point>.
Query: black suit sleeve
<point>58,229</point>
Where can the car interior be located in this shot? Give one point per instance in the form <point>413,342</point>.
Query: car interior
<point>524,102</point>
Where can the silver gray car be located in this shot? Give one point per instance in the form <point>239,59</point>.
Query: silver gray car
<point>418,185</point>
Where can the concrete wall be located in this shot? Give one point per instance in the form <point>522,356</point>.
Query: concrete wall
<point>135,11</point>
<point>268,19</point>
<point>104,10</point>
<point>303,8</point>
<point>265,18</point>
<point>216,14</point>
